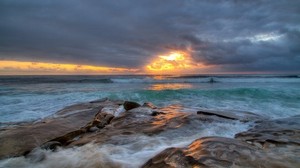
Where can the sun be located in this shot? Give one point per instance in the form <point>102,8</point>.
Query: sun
<point>175,56</point>
<point>173,62</point>
<point>168,62</point>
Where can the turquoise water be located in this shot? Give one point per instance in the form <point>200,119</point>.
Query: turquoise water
<point>31,98</point>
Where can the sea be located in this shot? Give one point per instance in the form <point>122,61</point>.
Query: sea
<point>32,98</point>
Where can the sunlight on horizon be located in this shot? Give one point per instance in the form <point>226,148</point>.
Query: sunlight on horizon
<point>21,68</point>
<point>175,62</point>
<point>170,86</point>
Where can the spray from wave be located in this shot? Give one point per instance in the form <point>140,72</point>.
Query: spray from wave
<point>126,151</point>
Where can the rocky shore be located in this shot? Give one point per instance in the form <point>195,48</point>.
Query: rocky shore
<point>268,143</point>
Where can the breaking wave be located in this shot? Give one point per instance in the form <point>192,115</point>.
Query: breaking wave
<point>148,79</point>
<point>33,98</point>
<point>127,151</point>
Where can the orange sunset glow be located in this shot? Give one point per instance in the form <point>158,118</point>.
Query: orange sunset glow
<point>170,86</point>
<point>175,62</point>
<point>172,63</point>
<point>18,67</point>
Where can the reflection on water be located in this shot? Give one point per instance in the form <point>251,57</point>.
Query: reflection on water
<point>170,86</point>
<point>158,77</point>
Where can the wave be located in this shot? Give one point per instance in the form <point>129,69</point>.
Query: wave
<point>150,79</point>
<point>54,79</point>
<point>32,102</point>
<point>208,80</point>
<point>237,76</point>
<point>164,80</point>
<point>125,151</point>
<point>216,94</point>
<point>266,102</point>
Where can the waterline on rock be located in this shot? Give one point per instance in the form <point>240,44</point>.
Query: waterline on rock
<point>126,150</point>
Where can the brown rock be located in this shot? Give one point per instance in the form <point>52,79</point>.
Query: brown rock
<point>276,132</point>
<point>150,105</point>
<point>136,121</point>
<point>51,145</point>
<point>221,152</point>
<point>100,120</point>
<point>17,140</point>
<point>103,119</point>
<point>67,138</point>
<point>272,143</point>
<point>128,105</point>
<point>232,115</point>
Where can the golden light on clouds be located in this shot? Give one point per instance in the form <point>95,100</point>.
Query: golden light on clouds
<point>18,67</point>
<point>175,62</point>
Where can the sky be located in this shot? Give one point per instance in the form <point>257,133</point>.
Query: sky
<point>142,36</point>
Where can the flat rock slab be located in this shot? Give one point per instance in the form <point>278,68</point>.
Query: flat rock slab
<point>81,123</point>
<point>232,115</point>
<point>222,153</point>
<point>270,143</point>
<point>142,120</point>
<point>14,141</point>
<point>139,120</point>
<point>273,132</point>
<point>102,121</point>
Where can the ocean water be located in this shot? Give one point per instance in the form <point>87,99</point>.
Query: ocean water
<point>30,98</point>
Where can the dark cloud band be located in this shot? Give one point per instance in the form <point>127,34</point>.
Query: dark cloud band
<point>233,35</point>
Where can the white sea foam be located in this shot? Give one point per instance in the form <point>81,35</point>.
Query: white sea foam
<point>278,98</point>
<point>163,80</point>
<point>207,80</point>
<point>257,80</point>
<point>128,151</point>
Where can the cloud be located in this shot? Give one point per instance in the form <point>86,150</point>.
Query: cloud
<point>38,68</point>
<point>231,35</point>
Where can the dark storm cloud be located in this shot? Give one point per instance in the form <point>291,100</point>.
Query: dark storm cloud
<point>234,35</point>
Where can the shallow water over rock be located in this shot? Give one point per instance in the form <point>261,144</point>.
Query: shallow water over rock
<point>103,134</point>
<point>223,152</point>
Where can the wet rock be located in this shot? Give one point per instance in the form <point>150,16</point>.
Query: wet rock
<point>276,132</point>
<point>143,121</point>
<point>150,105</point>
<point>232,115</point>
<point>100,121</point>
<point>99,100</point>
<point>74,126</point>
<point>93,129</point>
<point>137,121</point>
<point>141,111</point>
<point>51,145</point>
<point>17,140</point>
<point>170,158</point>
<point>220,152</point>
<point>128,105</point>
<point>271,143</point>
<point>155,113</point>
<point>103,119</point>
<point>113,109</point>
<point>67,138</point>
<point>77,108</point>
